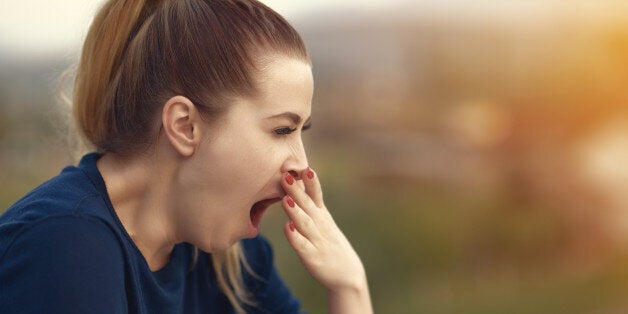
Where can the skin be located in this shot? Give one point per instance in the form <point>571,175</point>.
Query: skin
<point>200,173</point>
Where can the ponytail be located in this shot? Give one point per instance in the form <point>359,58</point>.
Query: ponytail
<point>111,31</point>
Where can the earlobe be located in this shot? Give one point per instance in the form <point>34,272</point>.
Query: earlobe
<point>180,120</point>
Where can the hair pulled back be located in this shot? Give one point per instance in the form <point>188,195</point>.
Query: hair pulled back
<point>140,53</point>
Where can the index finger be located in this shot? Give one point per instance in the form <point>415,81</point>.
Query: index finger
<point>312,186</point>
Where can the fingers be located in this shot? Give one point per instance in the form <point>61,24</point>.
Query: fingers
<point>296,240</point>
<point>303,223</point>
<point>302,204</point>
<point>298,194</point>
<point>312,186</point>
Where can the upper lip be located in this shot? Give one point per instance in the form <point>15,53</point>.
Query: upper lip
<point>271,197</point>
<point>270,200</point>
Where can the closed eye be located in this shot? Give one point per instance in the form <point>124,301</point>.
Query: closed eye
<point>284,131</point>
<point>287,131</point>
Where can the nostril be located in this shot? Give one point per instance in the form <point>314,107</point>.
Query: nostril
<point>294,174</point>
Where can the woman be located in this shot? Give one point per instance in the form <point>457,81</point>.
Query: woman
<point>195,110</point>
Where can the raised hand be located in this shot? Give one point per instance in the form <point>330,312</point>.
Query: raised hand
<point>322,247</point>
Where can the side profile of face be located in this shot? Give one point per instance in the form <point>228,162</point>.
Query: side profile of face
<point>236,170</point>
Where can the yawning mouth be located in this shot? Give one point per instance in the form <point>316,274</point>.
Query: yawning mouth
<point>257,210</point>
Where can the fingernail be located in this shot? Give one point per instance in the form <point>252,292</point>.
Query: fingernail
<point>310,173</point>
<point>291,225</point>
<point>290,202</point>
<point>289,178</point>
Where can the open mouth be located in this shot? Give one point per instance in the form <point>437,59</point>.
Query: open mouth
<point>258,209</point>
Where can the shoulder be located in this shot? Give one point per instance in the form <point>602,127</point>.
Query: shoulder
<point>56,234</point>
<point>64,192</point>
<point>68,198</point>
<point>65,263</point>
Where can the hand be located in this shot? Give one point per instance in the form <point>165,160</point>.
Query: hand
<point>322,247</point>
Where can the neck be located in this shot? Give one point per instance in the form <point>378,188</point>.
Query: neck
<point>138,188</point>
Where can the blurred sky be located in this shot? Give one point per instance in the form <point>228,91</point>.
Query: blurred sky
<point>44,27</point>
<point>50,27</point>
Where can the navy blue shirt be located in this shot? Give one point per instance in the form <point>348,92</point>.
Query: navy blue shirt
<point>64,250</point>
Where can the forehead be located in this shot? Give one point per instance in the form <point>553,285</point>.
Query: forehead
<point>284,84</point>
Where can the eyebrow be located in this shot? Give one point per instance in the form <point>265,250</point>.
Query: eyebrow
<point>292,116</point>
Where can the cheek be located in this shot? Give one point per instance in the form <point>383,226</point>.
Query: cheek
<point>266,153</point>
<point>242,167</point>
<point>250,166</point>
<point>264,166</point>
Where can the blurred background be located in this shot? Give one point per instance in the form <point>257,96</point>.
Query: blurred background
<point>474,152</point>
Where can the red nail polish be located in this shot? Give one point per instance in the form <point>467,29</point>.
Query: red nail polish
<point>289,179</point>
<point>310,173</point>
<point>291,225</point>
<point>290,202</point>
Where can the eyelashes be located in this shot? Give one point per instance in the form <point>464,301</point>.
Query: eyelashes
<point>284,131</point>
<point>288,131</point>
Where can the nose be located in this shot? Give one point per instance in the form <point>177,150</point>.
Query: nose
<point>296,161</point>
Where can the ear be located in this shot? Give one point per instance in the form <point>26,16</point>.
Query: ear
<point>181,123</point>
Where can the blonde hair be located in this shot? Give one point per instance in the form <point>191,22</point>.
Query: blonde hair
<point>139,53</point>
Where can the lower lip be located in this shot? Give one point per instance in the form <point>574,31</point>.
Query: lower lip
<point>253,231</point>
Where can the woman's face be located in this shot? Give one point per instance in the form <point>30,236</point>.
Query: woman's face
<point>235,173</point>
